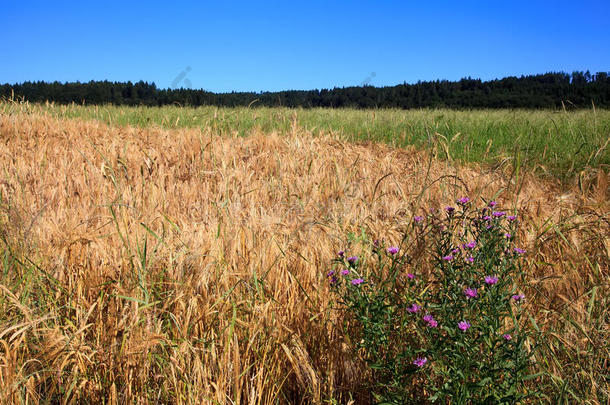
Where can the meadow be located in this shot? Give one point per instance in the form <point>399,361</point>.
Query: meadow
<point>180,255</point>
<point>563,145</point>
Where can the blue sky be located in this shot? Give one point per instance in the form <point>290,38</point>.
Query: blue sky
<point>299,45</point>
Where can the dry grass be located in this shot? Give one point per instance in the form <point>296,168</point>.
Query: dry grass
<point>150,265</point>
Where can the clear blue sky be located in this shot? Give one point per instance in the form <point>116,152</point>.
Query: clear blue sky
<point>292,45</point>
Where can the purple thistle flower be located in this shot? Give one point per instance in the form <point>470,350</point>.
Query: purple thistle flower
<point>330,273</point>
<point>470,259</point>
<point>345,272</point>
<point>340,253</point>
<point>471,244</point>
<point>498,214</point>
<point>464,326</point>
<point>420,361</point>
<point>449,210</point>
<point>392,250</point>
<point>334,279</point>
<point>448,258</point>
<point>491,280</point>
<point>463,200</point>
<point>492,204</point>
<point>507,337</point>
<point>357,281</point>
<point>518,297</point>
<point>410,276</point>
<point>508,235</point>
<point>418,219</point>
<point>455,251</point>
<point>518,251</point>
<point>471,292</point>
<point>432,323</point>
<point>511,217</point>
<point>413,308</point>
<point>352,259</point>
<point>487,218</point>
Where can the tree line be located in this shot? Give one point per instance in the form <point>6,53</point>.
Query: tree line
<point>549,90</point>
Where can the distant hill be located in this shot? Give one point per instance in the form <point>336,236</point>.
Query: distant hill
<point>549,90</point>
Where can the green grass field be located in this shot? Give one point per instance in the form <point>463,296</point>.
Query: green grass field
<point>560,144</point>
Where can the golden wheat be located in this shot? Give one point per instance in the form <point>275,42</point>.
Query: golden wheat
<point>149,265</point>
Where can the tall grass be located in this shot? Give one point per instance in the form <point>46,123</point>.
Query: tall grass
<point>176,265</point>
<point>563,144</point>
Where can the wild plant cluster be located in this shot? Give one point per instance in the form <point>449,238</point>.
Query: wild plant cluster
<point>457,333</point>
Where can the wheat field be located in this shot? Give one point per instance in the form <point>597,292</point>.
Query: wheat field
<point>149,265</point>
<point>561,145</point>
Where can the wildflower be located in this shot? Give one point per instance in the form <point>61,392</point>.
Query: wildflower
<point>487,218</point>
<point>345,272</point>
<point>464,326</point>
<point>352,259</point>
<point>471,244</point>
<point>392,250</point>
<point>357,281</point>
<point>518,297</point>
<point>449,210</point>
<point>413,308</point>
<point>498,214</point>
<point>340,253</point>
<point>492,204</point>
<point>463,200</point>
<point>511,217</point>
<point>470,259</point>
<point>471,292</point>
<point>410,276</point>
<point>448,258</point>
<point>491,280</point>
<point>334,279</point>
<point>508,235</point>
<point>432,323</point>
<point>418,219</point>
<point>507,337</point>
<point>455,251</point>
<point>518,251</point>
<point>420,361</point>
<point>330,273</point>
<point>376,243</point>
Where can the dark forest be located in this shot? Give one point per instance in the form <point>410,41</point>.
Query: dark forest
<point>549,90</point>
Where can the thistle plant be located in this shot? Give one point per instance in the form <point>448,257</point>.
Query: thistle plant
<point>456,329</point>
